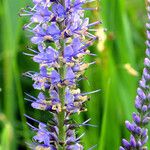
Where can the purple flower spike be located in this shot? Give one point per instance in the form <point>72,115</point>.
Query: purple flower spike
<point>139,132</point>
<point>61,36</point>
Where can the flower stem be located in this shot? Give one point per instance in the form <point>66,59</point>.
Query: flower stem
<point>61,115</point>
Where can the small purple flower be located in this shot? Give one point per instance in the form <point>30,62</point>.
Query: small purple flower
<point>59,12</point>
<point>43,135</point>
<point>40,102</point>
<point>49,56</point>
<point>42,15</point>
<point>54,96</point>
<point>75,147</point>
<point>40,81</point>
<point>51,33</point>
<point>55,77</point>
<point>70,76</point>
<point>68,53</point>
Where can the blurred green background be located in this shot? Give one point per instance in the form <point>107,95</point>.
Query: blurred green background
<point>119,62</point>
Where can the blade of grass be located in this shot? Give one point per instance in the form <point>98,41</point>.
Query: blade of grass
<point>7,137</point>
<point>11,33</point>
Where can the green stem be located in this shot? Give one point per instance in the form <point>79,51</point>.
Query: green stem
<point>61,115</point>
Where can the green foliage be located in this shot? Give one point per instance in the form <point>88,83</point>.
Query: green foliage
<point>108,109</point>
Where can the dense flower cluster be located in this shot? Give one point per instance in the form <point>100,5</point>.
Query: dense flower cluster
<point>139,132</point>
<point>61,33</point>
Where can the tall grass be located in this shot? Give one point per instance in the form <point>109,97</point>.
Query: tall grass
<point>108,109</point>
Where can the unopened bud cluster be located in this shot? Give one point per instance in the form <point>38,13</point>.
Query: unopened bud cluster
<point>139,132</point>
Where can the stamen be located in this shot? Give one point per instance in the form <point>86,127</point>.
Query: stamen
<point>94,23</point>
